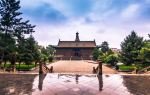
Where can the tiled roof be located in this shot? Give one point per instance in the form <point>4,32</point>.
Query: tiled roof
<point>76,44</point>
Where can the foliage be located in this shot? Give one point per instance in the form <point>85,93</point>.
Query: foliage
<point>126,68</point>
<point>50,58</point>
<point>111,59</point>
<point>145,53</point>
<point>21,67</point>
<point>44,57</point>
<point>50,50</point>
<point>12,29</point>
<point>104,47</point>
<point>95,53</point>
<point>102,56</point>
<point>131,48</point>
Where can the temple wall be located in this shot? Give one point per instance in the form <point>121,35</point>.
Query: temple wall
<point>67,53</point>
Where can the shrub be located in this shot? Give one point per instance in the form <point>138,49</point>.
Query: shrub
<point>111,59</point>
<point>50,58</point>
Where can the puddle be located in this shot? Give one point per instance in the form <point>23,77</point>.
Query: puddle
<point>74,84</point>
<point>91,84</point>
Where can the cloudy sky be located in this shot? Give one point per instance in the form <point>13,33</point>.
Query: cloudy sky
<point>102,20</point>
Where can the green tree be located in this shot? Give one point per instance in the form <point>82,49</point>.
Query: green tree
<point>30,51</point>
<point>13,27</point>
<point>145,53</point>
<point>50,50</point>
<point>104,47</point>
<point>111,59</point>
<point>95,53</point>
<point>131,47</point>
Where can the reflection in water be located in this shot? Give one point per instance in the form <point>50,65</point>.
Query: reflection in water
<point>138,85</point>
<point>91,84</point>
<point>77,78</point>
<point>41,79</point>
<point>16,84</point>
<point>100,80</point>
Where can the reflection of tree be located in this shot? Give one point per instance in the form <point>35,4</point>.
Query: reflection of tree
<point>100,80</point>
<point>20,83</point>
<point>41,78</point>
<point>137,85</point>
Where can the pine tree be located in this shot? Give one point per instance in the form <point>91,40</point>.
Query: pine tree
<point>104,47</point>
<point>13,27</point>
<point>131,48</point>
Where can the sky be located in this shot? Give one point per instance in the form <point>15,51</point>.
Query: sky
<point>102,20</point>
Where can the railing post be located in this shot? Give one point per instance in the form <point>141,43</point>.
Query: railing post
<point>51,69</point>
<point>94,70</point>
<point>99,67</point>
<point>40,68</point>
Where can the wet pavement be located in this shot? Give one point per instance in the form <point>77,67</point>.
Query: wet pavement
<point>74,84</point>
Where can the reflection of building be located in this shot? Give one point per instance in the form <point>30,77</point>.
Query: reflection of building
<point>75,49</point>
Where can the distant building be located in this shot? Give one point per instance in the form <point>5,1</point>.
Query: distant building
<point>75,50</point>
<point>115,50</point>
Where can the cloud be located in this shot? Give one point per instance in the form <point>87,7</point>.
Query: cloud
<point>75,8</point>
<point>131,11</point>
<point>44,13</point>
<point>102,20</point>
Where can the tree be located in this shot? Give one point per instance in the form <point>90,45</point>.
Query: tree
<point>95,53</point>
<point>131,48</point>
<point>13,27</point>
<point>111,59</point>
<point>29,51</point>
<point>145,53</point>
<point>104,47</point>
<point>50,50</point>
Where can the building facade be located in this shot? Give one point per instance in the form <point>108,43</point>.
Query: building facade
<point>75,50</point>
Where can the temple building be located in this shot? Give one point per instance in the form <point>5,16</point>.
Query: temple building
<point>75,50</point>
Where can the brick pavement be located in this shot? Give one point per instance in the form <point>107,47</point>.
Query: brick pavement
<point>78,66</point>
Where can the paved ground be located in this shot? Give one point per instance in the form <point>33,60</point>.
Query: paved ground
<point>74,84</point>
<point>78,67</point>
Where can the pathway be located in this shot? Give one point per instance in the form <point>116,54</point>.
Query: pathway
<point>78,66</point>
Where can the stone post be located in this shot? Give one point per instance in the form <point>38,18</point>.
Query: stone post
<point>100,68</point>
<point>40,68</point>
<point>51,69</point>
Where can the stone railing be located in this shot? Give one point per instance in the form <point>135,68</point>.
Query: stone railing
<point>98,69</point>
<point>44,69</point>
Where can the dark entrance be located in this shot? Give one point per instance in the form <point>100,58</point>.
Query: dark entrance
<point>77,52</point>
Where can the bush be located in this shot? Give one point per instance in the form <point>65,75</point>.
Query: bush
<point>126,68</point>
<point>111,59</point>
<point>102,58</point>
<point>50,58</point>
<point>44,57</point>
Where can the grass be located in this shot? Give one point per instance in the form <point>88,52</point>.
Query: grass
<point>22,66</point>
<point>126,68</point>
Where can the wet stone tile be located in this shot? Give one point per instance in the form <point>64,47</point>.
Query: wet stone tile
<point>73,84</point>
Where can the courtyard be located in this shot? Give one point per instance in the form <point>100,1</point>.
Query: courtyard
<point>78,66</point>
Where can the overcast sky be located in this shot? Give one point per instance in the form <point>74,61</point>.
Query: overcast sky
<point>102,20</point>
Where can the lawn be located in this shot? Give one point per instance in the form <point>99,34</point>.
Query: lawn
<point>22,66</point>
<point>126,68</point>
